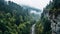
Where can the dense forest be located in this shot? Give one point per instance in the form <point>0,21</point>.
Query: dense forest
<point>14,19</point>
<point>17,19</point>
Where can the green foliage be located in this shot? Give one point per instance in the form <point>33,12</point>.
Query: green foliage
<point>14,19</point>
<point>39,27</point>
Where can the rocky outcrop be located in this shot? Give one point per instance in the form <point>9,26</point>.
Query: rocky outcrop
<point>53,15</point>
<point>54,19</point>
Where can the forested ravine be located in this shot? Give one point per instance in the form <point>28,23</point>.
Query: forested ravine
<point>17,19</point>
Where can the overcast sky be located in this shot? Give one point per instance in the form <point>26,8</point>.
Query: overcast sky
<point>34,3</point>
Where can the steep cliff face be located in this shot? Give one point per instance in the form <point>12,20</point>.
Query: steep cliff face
<point>52,13</point>
<point>55,22</point>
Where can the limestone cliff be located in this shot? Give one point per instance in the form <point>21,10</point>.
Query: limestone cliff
<point>52,13</point>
